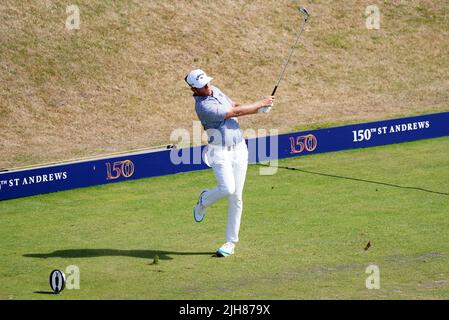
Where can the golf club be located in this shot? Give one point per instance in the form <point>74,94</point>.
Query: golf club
<point>305,13</point>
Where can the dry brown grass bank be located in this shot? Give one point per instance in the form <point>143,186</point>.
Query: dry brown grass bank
<point>117,83</point>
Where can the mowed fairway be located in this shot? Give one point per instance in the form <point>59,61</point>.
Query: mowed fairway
<point>303,235</point>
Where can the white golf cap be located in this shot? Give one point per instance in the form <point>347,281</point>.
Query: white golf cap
<point>197,78</point>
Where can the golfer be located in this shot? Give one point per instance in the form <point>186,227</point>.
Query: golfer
<point>226,153</point>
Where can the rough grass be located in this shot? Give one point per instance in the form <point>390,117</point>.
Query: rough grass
<point>117,83</point>
<point>303,235</point>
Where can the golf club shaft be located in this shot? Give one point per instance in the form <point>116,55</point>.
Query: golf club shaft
<point>288,60</point>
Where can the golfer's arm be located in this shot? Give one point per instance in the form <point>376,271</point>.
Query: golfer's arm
<point>243,109</point>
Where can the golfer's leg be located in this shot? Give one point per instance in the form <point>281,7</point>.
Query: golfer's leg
<point>222,167</point>
<point>236,199</point>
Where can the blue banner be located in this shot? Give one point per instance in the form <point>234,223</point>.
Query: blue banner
<point>361,135</point>
<point>21,183</point>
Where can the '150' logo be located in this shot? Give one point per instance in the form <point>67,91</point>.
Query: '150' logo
<point>119,169</point>
<point>301,143</point>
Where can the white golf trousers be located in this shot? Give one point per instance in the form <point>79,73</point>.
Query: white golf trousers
<point>229,167</point>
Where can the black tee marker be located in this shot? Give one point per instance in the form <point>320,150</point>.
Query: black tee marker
<point>57,281</point>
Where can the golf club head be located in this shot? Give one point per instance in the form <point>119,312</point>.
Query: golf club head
<point>305,12</point>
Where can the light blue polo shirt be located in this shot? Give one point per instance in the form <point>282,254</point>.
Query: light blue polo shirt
<point>211,111</point>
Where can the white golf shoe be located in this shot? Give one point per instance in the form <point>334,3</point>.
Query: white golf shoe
<point>199,211</point>
<point>226,250</point>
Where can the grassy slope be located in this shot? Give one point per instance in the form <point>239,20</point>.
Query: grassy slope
<point>117,83</point>
<point>302,236</point>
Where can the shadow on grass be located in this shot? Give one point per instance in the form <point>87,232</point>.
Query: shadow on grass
<point>45,292</point>
<point>94,253</point>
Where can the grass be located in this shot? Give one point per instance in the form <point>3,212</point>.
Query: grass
<point>117,83</point>
<point>303,234</point>
<point>336,41</point>
<point>321,125</point>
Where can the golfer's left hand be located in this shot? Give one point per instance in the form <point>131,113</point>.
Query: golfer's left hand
<point>265,109</point>
<point>268,101</point>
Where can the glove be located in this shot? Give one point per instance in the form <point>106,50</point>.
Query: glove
<point>265,109</point>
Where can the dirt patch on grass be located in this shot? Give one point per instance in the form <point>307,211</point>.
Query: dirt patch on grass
<point>435,284</point>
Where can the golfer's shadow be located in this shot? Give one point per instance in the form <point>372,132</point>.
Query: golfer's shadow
<point>94,253</point>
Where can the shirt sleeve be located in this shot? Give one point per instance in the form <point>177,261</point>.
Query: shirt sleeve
<point>212,111</point>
